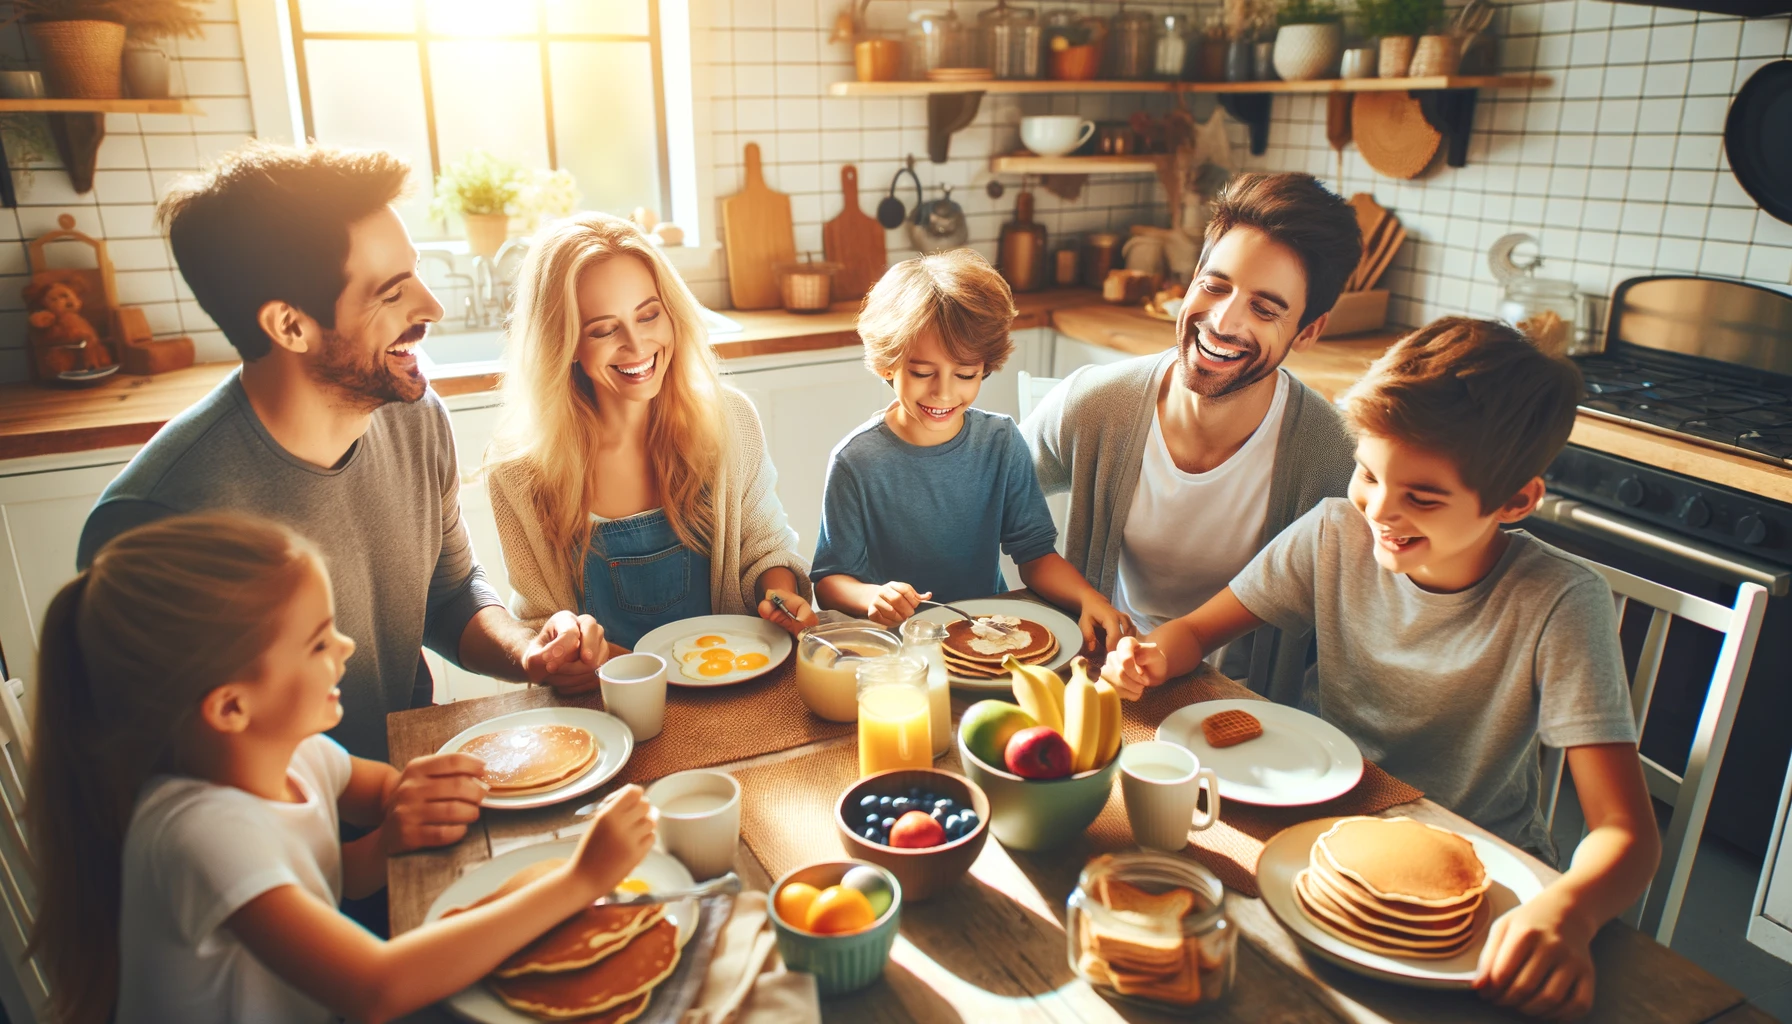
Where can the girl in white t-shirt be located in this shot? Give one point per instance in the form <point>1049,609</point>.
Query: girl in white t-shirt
<point>184,802</point>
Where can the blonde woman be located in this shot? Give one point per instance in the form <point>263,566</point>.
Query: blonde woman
<point>627,480</point>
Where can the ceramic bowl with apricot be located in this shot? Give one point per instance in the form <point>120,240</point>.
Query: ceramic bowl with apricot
<point>924,825</point>
<point>837,920</point>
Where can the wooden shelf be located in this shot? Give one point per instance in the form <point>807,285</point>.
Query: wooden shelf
<point>59,106</point>
<point>1327,85</point>
<point>1027,163</point>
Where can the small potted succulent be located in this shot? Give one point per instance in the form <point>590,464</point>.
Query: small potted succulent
<point>81,42</point>
<point>1309,38</point>
<point>1397,24</point>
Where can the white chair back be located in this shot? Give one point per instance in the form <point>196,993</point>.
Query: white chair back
<point>1688,792</point>
<point>1032,389</point>
<point>25,993</point>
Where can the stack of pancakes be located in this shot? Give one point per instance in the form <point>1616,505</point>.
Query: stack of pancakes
<point>599,965</point>
<point>975,657</point>
<point>1395,886</point>
<point>533,758</point>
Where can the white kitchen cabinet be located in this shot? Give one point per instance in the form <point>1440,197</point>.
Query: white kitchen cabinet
<point>44,500</point>
<point>1770,922</point>
<point>1070,353</point>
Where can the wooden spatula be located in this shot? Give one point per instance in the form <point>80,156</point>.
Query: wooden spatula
<point>758,237</point>
<point>855,241</point>
<point>1389,247</point>
<point>1371,218</point>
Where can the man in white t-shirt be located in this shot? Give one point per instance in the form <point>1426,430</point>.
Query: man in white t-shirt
<point>1181,466</point>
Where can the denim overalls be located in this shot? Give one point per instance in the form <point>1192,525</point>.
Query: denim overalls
<point>639,576</point>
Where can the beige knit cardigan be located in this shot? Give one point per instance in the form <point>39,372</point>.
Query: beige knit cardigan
<point>752,533</point>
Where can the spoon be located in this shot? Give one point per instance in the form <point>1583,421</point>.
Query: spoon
<point>726,885</point>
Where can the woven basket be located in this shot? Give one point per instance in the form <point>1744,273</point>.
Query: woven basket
<point>1396,56</point>
<point>1392,133</point>
<point>81,59</point>
<point>1435,56</point>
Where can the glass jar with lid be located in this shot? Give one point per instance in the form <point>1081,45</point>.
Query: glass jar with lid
<point>935,40</point>
<point>1171,53</point>
<point>1135,44</point>
<point>1160,902</point>
<point>828,656</point>
<point>1546,311</point>
<point>1009,41</point>
<point>925,639</point>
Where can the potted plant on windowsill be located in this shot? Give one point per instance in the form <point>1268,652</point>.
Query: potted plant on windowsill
<point>483,191</point>
<point>81,42</point>
<point>1398,24</point>
<point>1309,37</point>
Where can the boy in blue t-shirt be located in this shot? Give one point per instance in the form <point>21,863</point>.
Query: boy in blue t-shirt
<point>921,499</point>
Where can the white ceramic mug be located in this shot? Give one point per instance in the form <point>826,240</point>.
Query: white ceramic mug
<point>634,688</point>
<point>699,819</point>
<point>1162,784</point>
<point>1055,134</point>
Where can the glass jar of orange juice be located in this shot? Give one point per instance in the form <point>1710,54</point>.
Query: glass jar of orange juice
<point>895,716</point>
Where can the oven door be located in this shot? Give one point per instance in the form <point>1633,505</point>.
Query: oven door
<point>1749,780</point>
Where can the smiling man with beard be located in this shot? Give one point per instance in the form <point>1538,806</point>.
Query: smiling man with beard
<point>1181,466</point>
<point>330,427</point>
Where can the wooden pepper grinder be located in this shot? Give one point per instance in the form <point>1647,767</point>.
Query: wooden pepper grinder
<point>1021,256</point>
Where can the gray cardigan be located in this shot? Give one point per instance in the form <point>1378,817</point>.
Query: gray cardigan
<point>1088,437</point>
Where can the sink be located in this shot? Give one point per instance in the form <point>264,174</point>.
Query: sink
<point>445,350</point>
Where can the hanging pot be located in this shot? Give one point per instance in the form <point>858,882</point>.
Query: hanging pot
<point>81,59</point>
<point>890,212</point>
<point>146,72</point>
<point>938,225</point>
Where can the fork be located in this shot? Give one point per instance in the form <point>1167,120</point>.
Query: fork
<point>1000,627</point>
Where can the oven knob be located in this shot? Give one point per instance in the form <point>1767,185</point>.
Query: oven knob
<point>1751,529</point>
<point>1695,513</point>
<point>1630,491</point>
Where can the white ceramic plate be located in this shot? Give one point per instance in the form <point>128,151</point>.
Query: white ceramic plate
<point>661,641</point>
<point>1070,638</point>
<point>1288,853</point>
<point>614,745</point>
<point>1300,759</point>
<point>660,871</point>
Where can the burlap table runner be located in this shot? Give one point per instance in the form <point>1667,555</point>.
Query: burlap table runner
<point>787,808</point>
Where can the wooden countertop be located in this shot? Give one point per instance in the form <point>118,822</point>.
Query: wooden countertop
<point>127,410</point>
<point>1334,364</point>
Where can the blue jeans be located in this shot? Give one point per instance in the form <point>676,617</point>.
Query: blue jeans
<point>640,576</point>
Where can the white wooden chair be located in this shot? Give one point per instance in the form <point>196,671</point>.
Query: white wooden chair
<point>1032,389</point>
<point>1688,792</point>
<point>24,990</point>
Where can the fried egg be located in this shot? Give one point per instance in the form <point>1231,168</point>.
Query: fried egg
<point>720,657</point>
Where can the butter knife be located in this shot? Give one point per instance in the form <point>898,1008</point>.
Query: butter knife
<point>726,885</point>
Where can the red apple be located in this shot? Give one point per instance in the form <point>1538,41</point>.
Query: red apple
<point>916,830</point>
<point>1038,753</point>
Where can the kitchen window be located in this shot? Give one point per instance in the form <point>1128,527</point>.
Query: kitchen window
<point>572,84</point>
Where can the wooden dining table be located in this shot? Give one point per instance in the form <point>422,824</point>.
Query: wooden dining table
<point>994,949</point>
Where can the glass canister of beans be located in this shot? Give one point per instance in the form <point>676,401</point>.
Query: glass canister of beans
<point>1152,929</point>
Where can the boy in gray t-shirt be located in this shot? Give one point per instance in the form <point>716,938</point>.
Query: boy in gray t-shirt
<point>1449,647</point>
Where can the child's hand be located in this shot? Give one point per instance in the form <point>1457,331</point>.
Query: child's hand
<point>800,616</point>
<point>434,800</point>
<point>1538,960</point>
<point>894,603</point>
<point>620,835</point>
<point>1134,666</point>
<point>1098,614</point>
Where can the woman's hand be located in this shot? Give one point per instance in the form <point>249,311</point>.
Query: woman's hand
<point>800,615</point>
<point>894,603</point>
<point>1538,960</point>
<point>620,835</point>
<point>1098,614</point>
<point>1134,666</point>
<point>434,800</point>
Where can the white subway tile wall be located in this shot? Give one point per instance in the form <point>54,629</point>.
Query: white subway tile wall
<point>140,157</point>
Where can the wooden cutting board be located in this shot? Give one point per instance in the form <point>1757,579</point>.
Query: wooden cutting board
<point>854,241</point>
<point>758,237</point>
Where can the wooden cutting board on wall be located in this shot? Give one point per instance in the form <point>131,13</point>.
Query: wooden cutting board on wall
<point>854,241</point>
<point>757,234</point>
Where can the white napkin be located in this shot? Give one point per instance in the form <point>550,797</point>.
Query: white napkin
<point>747,981</point>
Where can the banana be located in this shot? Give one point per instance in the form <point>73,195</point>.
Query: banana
<point>1110,722</point>
<point>1082,718</point>
<point>1040,693</point>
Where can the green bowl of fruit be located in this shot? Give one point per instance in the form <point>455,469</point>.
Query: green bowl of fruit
<point>837,920</point>
<point>1046,763</point>
<point>924,825</point>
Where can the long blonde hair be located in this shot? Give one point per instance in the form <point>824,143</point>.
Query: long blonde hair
<point>550,423</point>
<point>166,613</point>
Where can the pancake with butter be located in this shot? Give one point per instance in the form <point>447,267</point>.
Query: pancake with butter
<point>980,643</point>
<point>614,981</point>
<point>530,757</point>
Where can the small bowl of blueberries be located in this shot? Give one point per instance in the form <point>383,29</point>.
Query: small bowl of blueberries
<point>923,825</point>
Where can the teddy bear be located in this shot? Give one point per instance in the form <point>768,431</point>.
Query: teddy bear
<point>62,337</point>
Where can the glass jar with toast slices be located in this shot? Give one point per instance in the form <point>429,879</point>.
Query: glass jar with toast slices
<point>1151,928</point>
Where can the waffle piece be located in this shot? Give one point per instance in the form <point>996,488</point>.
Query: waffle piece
<point>1230,728</point>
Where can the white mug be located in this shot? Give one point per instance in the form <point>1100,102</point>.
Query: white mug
<point>1162,783</point>
<point>634,688</point>
<point>699,819</point>
<point>1055,134</point>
